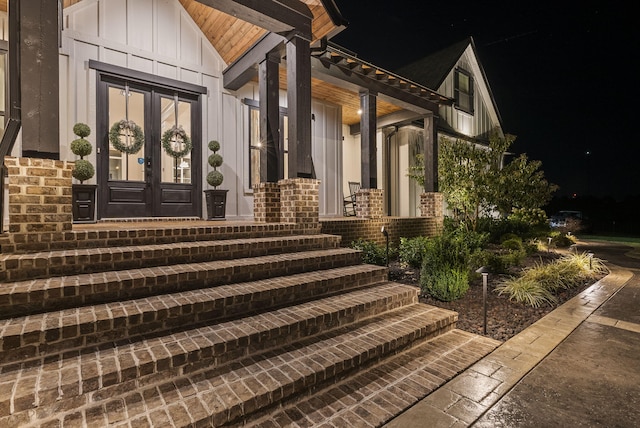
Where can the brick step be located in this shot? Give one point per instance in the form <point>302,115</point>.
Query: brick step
<point>122,234</point>
<point>210,396</point>
<point>35,336</point>
<point>14,267</point>
<point>376,395</point>
<point>207,346</point>
<point>24,298</point>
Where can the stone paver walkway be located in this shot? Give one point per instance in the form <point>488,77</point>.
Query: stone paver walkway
<point>465,398</point>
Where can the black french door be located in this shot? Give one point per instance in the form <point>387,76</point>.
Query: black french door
<point>148,182</point>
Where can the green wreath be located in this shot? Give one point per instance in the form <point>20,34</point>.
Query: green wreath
<point>176,133</point>
<point>134,130</point>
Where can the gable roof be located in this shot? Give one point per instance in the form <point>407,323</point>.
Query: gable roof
<point>433,69</point>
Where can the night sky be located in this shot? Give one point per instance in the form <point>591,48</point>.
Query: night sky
<point>564,76</point>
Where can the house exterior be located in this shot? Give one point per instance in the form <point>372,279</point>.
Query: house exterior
<point>196,66</point>
<point>457,73</point>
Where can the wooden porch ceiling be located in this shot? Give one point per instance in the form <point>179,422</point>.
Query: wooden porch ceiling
<point>231,37</point>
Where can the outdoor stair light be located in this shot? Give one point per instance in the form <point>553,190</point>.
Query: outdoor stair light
<point>385,232</point>
<point>485,279</point>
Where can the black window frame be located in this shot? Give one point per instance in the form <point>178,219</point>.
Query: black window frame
<point>459,95</point>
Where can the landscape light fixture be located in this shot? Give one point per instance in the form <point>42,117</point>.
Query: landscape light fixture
<point>549,244</point>
<point>485,279</point>
<point>590,255</point>
<point>385,232</point>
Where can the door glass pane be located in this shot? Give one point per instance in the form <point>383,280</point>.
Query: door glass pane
<point>124,166</point>
<point>175,170</point>
<point>3,89</point>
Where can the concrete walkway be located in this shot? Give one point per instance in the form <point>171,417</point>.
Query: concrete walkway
<point>577,366</point>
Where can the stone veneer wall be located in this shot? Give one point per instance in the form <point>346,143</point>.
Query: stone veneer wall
<point>39,203</point>
<point>369,203</point>
<point>351,229</point>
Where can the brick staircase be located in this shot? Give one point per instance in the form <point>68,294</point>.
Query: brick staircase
<point>215,325</point>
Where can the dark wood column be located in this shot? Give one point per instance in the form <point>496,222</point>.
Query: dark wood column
<point>299,107</point>
<point>39,75</point>
<point>368,126</point>
<point>271,168</point>
<point>430,154</point>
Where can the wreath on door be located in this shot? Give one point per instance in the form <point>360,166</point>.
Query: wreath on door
<point>129,130</point>
<point>173,138</point>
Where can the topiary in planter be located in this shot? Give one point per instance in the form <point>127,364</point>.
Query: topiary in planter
<point>83,169</point>
<point>215,177</point>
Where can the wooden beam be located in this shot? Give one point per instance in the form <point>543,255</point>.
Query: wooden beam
<point>244,69</point>
<point>430,154</point>
<point>299,108</point>
<point>39,64</point>
<point>270,156</point>
<point>278,16</point>
<point>368,127</point>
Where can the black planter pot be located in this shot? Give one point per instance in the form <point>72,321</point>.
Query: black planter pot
<point>84,203</point>
<point>216,203</point>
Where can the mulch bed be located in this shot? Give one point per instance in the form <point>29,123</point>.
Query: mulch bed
<point>505,318</point>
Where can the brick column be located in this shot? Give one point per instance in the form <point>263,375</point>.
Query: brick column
<point>432,206</point>
<point>39,195</point>
<point>300,202</point>
<point>369,203</point>
<point>266,202</point>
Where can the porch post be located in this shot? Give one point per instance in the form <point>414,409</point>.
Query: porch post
<point>39,75</point>
<point>271,168</point>
<point>368,125</point>
<point>430,154</point>
<point>299,107</point>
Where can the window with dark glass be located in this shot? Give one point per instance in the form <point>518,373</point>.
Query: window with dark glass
<point>255,145</point>
<point>463,91</point>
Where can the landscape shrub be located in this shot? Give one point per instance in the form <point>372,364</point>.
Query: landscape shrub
<point>538,283</point>
<point>372,253</point>
<point>445,283</point>
<point>411,251</point>
<point>562,240</point>
<point>445,266</point>
<point>513,244</point>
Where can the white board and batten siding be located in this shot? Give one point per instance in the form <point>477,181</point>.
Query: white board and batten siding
<point>485,116</point>
<point>159,37</point>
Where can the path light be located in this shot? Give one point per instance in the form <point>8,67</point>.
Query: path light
<point>485,279</point>
<point>590,255</point>
<point>549,239</point>
<point>385,232</point>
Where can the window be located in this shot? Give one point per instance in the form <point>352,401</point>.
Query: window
<point>255,145</point>
<point>463,91</point>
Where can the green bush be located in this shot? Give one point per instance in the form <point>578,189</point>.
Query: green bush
<point>562,240</point>
<point>372,253</point>
<point>513,244</point>
<point>81,147</point>
<point>412,250</point>
<point>83,170</point>
<point>445,284</point>
<point>527,291</point>
<point>538,284</point>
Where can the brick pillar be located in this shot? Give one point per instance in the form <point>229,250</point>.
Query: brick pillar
<point>432,206</point>
<point>39,195</point>
<point>369,203</point>
<point>266,202</point>
<point>300,202</point>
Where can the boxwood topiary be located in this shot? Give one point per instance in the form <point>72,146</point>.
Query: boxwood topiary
<point>83,169</point>
<point>215,177</point>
